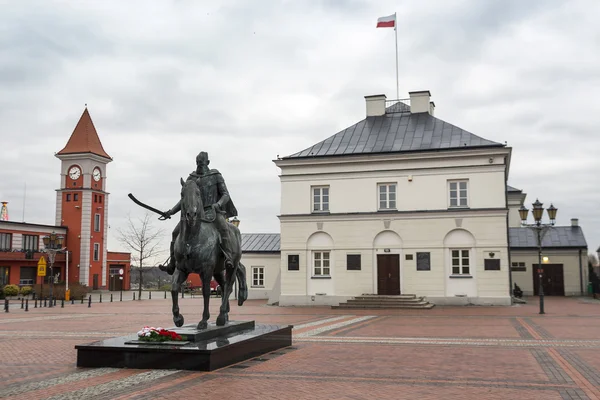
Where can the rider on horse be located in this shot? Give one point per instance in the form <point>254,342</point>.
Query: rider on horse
<point>218,205</point>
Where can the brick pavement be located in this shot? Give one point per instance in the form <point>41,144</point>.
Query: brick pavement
<point>444,353</point>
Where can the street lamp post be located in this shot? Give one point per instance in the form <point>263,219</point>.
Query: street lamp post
<point>52,245</point>
<point>540,228</point>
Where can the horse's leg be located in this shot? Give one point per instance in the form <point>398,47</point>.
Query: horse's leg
<point>178,278</point>
<point>220,278</point>
<point>243,289</point>
<point>206,277</point>
<point>227,289</point>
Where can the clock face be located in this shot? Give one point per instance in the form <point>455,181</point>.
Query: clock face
<point>96,174</point>
<point>74,173</point>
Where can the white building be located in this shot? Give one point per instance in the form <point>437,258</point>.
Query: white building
<point>399,203</point>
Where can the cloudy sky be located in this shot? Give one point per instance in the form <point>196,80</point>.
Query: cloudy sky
<point>250,80</point>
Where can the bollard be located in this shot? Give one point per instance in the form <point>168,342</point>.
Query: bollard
<point>54,302</point>
<point>22,302</point>
<point>45,300</point>
<point>182,293</point>
<point>72,300</point>
<point>121,296</point>
<point>165,294</point>
<point>134,295</point>
<point>27,305</point>
<point>111,297</point>
<point>62,303</point>
<point>90,301</point>
<point>81,299</point>
<point>100,297</point>
<point>5,305</point>
<point>35,304</point>
<point>150,295</point>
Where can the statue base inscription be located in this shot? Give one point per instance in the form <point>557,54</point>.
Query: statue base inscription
<point>213,348</point>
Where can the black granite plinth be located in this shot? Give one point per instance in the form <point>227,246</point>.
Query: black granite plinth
<point>229,347</point>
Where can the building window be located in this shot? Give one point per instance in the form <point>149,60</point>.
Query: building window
<point>30,242</point>
<point>95,198</point>
<point>353,262</point>
<point>100,199</point>
<point>4,276</point>
<point>68,196</point>
<point>293,262</point>
<point>320,198</point>
<point>458,194</point>
<point>518,266</point>
<point>387,196</point>
<point>258,276</point>
<point>460,262</point>
<point>96,251</point>
<point>321,263</point>
<point>75,197</point>
<point>97,223</point>
<point>27,275</point>
<point>5,241</point>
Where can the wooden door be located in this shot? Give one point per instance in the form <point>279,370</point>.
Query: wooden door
<point>552,280</point>
<point>388,274</point>
<point>95,282</point>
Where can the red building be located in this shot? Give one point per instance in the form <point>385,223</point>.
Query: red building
<point>21,248</point>
<point>81,217</point>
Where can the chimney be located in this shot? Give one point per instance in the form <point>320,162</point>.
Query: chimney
<point>420,102</point>
<point>375,105</point>
<point>574,221</point>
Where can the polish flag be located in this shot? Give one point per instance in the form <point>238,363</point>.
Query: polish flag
<point>387,22</point>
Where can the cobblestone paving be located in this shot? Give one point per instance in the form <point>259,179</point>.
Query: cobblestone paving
<point>444,353</point>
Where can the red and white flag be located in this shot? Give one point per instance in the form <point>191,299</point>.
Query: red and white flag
<point>387,22</point>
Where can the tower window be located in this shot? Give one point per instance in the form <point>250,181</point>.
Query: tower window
<point>68,196</point>
<point>75,197</point>
<point>97,223</point>
<point>95,198</point>
<point>96,251</point>
<point>99,199</point>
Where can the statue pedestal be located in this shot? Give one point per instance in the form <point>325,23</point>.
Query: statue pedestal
<point>206,350</point>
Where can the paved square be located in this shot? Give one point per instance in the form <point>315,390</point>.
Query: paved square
<point>443,353</point>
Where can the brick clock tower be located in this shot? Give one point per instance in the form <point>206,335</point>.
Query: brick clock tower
<point>82,204</point>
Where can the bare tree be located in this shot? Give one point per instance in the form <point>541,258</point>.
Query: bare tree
<point>143,240</point>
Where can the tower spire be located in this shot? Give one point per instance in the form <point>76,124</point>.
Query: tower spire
<point>84,138</point>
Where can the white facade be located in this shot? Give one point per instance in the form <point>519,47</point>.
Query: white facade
<point>350,220</point>
<point>262,273</point>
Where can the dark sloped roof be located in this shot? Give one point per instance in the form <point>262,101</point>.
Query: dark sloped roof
<point>556,236</point>
<point>260,242</point>
<point>512,189</point>
<point>396,131</point>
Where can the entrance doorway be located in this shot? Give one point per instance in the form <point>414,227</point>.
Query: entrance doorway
<point>115,283</point>
<point>95,282</point>
<point>388,274</point>
<point>552,280</point>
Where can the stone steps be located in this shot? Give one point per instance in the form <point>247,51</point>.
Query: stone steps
<point>407,301</point>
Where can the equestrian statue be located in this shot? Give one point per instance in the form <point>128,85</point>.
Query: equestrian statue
<point>203,241</point>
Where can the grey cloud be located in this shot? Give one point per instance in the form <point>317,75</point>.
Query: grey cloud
<point>247,81</point>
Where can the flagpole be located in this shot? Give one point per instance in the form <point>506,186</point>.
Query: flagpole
<point>396,32</point>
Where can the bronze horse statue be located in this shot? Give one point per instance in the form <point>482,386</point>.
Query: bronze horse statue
<point>197,250</point>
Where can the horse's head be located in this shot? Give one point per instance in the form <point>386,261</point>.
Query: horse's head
<point>191,202</point>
